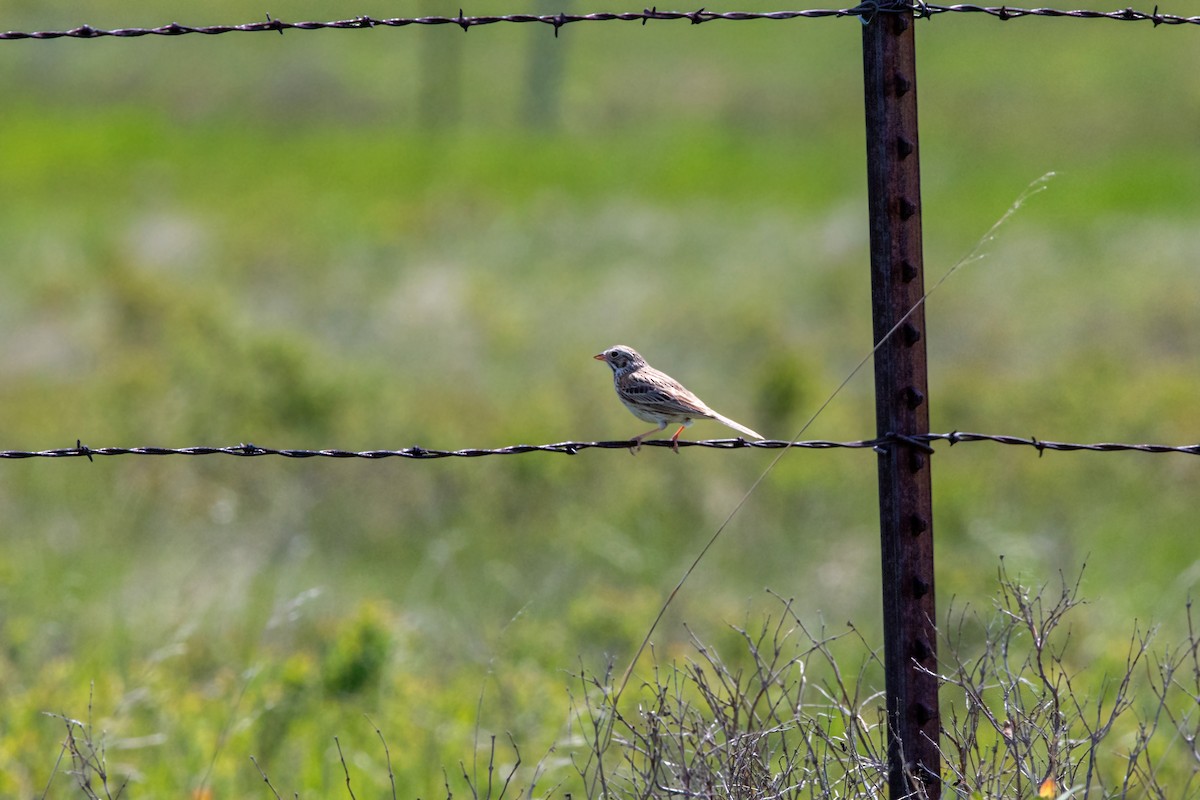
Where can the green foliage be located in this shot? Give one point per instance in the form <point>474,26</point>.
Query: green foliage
<point>357,656</point>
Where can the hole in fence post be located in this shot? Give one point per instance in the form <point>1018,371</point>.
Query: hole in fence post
<point>901,403</point>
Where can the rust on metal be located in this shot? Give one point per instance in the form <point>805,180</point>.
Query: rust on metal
<point>901,405</point>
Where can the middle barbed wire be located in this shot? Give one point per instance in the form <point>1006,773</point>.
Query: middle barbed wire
<point>923,441</point>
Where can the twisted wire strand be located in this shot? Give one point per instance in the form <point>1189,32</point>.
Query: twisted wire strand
<point>921,441</point>
<point>557,21</point>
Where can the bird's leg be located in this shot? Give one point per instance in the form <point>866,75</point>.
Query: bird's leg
<point>675,439</point>
<point>633,451</point>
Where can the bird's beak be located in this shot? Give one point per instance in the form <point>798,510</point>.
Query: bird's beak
<point>599,356</point>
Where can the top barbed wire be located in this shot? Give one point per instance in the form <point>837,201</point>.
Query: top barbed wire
<point>922,441</point>
<point>557,21</point>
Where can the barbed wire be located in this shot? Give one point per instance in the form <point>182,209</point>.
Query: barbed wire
<point>557,21</point>
<point>921,441</point>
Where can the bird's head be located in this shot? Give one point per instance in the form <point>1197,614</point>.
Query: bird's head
<point>622,359</point>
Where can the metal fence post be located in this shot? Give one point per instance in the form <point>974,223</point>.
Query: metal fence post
<point>901,403</point>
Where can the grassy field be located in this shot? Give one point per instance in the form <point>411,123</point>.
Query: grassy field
<point>285,241</point>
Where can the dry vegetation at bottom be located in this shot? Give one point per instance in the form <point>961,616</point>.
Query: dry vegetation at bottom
<point>799,714</point>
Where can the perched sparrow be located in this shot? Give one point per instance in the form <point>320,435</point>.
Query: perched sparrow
<point>656,397</point>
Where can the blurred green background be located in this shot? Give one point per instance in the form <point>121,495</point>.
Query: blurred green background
<point>377,239</point>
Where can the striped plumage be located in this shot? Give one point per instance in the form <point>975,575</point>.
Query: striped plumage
<point>656,397</point>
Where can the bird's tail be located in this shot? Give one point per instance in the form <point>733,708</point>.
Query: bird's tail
<point>736,426</point>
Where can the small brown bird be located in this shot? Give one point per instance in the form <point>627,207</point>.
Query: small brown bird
<point>656,397</point>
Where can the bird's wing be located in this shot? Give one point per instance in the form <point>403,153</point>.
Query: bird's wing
<point>664,394</point>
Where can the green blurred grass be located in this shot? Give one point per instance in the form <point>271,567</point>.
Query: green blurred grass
<point>256,238</point>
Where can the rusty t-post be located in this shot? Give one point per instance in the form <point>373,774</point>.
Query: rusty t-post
<point>901,402</point>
